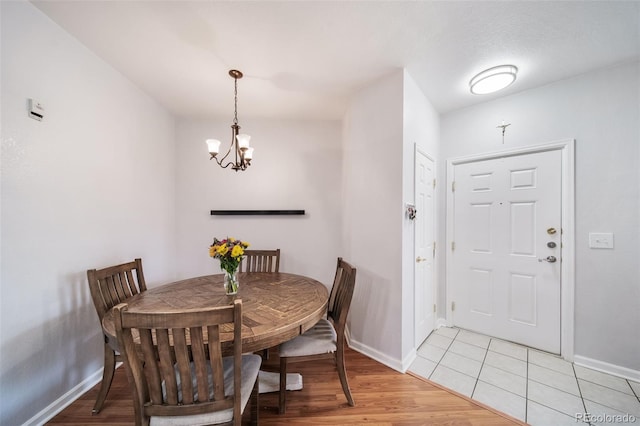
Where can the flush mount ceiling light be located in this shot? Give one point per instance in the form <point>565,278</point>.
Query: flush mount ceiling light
<point>493,79</point>
<point>239,142</point>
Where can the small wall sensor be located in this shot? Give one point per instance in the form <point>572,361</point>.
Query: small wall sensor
<point>36,110</point>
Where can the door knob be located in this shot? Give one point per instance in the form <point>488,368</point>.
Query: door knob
<point>420,259</point>
<point>551,231</point>
<point>550,259</point>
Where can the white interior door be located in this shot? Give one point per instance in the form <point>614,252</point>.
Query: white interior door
<point>424,247</point>
<point>505,264</point>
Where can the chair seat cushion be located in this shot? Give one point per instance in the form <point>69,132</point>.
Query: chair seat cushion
<point>319,339</point>
<point>250,369</point>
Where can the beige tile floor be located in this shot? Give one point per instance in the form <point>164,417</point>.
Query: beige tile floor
<point>533,386</point>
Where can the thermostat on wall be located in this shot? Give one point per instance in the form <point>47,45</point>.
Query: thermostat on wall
<point>36,110</point>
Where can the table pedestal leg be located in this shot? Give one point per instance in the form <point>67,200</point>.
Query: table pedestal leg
<point>270,381</point>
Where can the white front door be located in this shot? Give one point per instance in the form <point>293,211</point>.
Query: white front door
<point>506,248</point>
<point>423,248</point>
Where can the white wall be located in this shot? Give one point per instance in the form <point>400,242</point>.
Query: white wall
<point>89,186</point>
<point>372,217</point>
<point>297,165</point>
<point>382,126</point>
<point>601,111</point>
<point>421,127</point>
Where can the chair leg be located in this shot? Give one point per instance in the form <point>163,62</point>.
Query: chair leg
<point>283,386</point>
<point>255,403</point>
<point>107,378</point>
<point>342,373</point>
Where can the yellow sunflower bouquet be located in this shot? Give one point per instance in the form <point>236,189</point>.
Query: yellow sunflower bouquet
<point>230,251</point>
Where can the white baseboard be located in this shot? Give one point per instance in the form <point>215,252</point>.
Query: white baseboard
<point>408,360</point>
<point>377,355</point>
<point>441,322</point>
<point>605,367</point>
<point>398,365</point>
<point>372,353</point>
<point>65,400</point>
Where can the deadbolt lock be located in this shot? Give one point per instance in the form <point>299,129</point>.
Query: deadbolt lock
<point>551,231</point>
<point>551,244</point>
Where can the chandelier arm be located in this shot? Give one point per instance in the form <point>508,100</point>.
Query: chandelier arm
<point>225,166</point>
<point>224,157</point>
<point>221,160</point>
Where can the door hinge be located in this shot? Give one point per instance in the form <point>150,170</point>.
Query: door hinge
<point>453,186</point>
<point>434,249</point>
<point>453,245</point>
<point>434,307</point>
<point>453,306</point>
<point>434,183</point>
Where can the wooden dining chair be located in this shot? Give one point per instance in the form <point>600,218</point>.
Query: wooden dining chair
<point>261,261</point>
<point>326,339</point>
<point>109,287</point>
<point>177,372</point>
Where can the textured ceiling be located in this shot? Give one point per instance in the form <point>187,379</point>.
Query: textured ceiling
<point>304,59</point>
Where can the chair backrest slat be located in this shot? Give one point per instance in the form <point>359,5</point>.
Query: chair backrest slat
<point>199,358</point>
<point>261,261</point>
<point>130,288</point>
<point>183,366</point>
<point>121,286</point>
<point>153,369</point>
<point>167,372</point>
<point>215,353</point>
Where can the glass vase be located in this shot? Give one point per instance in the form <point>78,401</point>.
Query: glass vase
<point>231,283</point>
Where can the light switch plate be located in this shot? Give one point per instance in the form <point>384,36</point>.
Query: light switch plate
<point>601,240</point>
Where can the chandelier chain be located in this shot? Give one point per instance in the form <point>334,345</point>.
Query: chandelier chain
<point>235,92</point>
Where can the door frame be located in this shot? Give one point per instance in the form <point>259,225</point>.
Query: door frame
<point>434,287</point>
<point>567,276</point>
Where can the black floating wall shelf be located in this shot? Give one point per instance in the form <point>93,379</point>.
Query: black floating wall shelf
<point>256,212</point>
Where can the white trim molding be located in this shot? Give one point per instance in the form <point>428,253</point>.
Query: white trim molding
<point>605,367</point>
<point>65,400</point>
<point>396,364</point>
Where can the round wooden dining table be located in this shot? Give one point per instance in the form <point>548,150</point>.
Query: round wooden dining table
<point>276,306</point>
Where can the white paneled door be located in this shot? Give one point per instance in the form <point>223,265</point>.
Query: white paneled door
<point>506,248</point>
<point>424,247</point>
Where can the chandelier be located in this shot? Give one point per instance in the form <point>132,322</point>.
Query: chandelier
<point>239,141</point>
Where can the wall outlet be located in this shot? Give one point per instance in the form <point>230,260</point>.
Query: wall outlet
<point>601,240</point>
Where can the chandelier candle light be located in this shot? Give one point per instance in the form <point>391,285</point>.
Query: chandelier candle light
<point>230,252</point>
<point>239,142</point>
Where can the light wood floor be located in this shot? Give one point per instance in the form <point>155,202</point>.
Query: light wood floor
<point>383,397</point>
